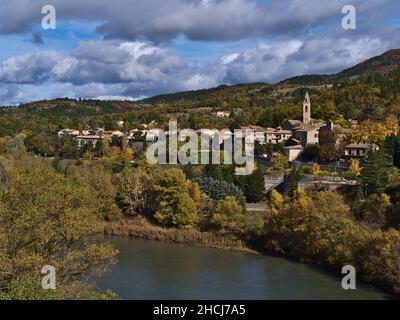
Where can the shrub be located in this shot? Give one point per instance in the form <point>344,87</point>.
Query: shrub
<point>350,175</point>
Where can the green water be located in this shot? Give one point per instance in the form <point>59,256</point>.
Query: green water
<point>156,270</point>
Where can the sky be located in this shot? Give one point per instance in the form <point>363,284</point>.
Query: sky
<point>131,49</point>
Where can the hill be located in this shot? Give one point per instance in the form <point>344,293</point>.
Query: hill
<point>382,64</point>
<point>66,107</point>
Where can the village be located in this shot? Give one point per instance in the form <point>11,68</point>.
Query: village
<point>294,138</point>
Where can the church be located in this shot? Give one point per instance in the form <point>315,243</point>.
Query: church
<point>306,131</point>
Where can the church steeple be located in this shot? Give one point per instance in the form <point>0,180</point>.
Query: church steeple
<point>307,109</point>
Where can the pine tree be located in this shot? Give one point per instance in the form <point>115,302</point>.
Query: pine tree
<point>255,186</point>
<point>375,172</point>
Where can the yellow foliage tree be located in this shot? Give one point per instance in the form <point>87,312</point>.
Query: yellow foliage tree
<point>88,155</point>
<point>128,154</point>
<point>355,166</point>
<point>374,132</point>
<point>315,168</point>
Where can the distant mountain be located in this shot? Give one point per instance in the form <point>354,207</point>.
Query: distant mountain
<point>221,91</point>
<point>68,107</point>
<point>382,64</point>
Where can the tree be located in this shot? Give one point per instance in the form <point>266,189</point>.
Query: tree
<point>46,219</point>
<point>315,169</point>
<point>375,172</point>
<point>375,210</point>
<point>279,162</point>
<point>175,207</point>
<point>228,215</point>
<point>328,148</point>
<point>254,185</point>
<point>103,188</point>
<point>374,132</point>
<point>66,148</point>
<point>355,166</point>
<point>186,212</point>
<point>293,182</point>
<point>311,152</point>
<point>219,189</point>
<point>135,193</point>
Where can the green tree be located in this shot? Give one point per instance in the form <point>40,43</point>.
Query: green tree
<point>255,185</point>
<point>311,152</point>
<point>375,172</point>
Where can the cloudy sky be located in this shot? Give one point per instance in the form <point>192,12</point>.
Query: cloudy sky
<point>129,49</point>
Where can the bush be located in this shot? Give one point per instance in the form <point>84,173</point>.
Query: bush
<point>307,169</point>
<point>318,227</point>
<point>350,175</point>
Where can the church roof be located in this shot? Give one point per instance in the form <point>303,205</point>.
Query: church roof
<point>294,122</point>
<point>307,97</point>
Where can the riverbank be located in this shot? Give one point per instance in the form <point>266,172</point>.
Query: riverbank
<point>140,228</point>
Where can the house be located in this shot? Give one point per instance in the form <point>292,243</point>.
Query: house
<point>339,133</point>
<point>307,134</point>
<point>118,134</point>
<point>153,135</point>
<point>278,135</point>
<point>222,114</point>
<point>259,134</point>
<point>68,132</point>
<point>360,150</point>
<point>93,140</point>
<point>290,124</point>
<point>293,152</point>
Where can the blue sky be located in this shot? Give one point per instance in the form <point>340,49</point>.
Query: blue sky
<point>136,48</point>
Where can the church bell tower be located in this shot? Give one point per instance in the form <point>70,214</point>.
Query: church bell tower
<point>307,109</point>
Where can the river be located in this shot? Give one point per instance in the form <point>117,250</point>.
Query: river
<point>157,270</point>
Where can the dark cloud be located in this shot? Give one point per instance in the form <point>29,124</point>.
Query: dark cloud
<point>218,20</point>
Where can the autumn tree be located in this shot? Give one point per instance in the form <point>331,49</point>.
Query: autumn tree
<point>228,215</point>
<point>374,132</point>
<point>279,162</point>
<point>175,206</point>
<point>46,219</point>
<point>135,193</point>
